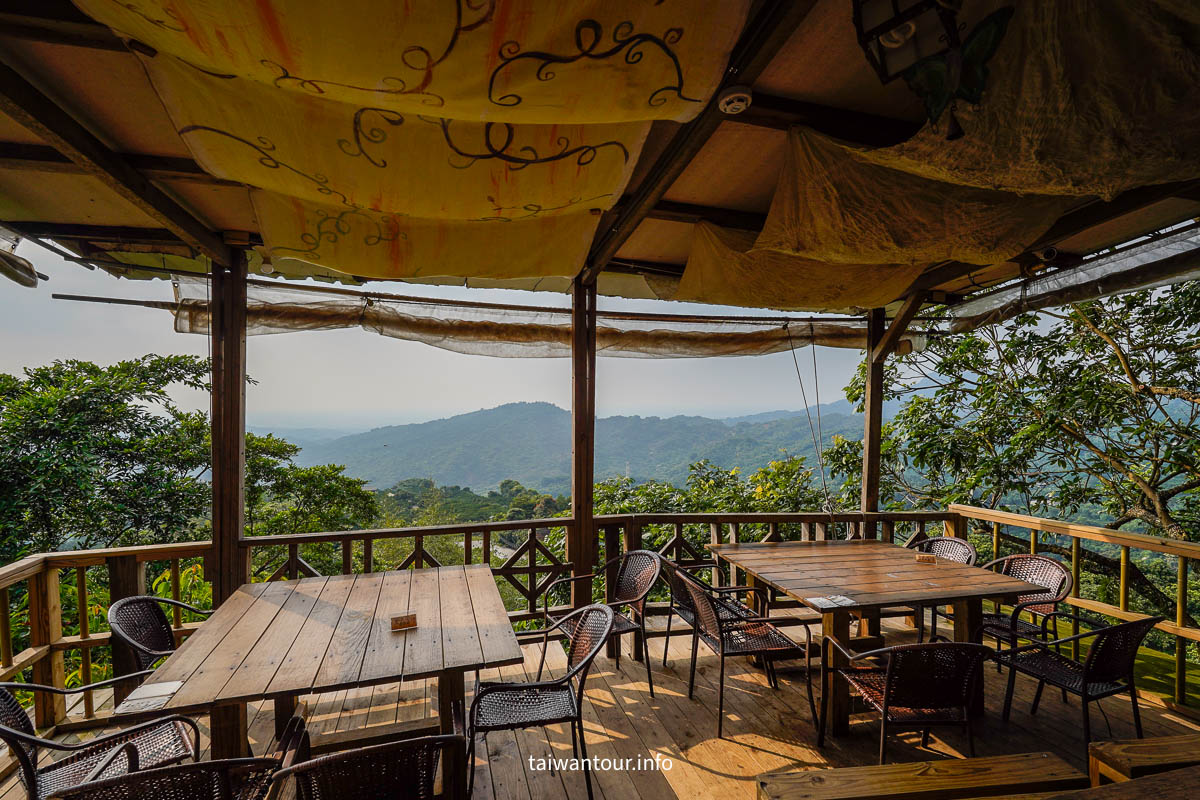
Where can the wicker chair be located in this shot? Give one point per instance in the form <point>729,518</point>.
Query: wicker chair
<point>231,779</point>
<point>151,744</point>
<point>508,706</point>
<point>1039,570</point>
<point>638,571</point>
<point>755,637</point>
<point>1107,670</point>
<point>922,686</point>
<point>141,623</point>
<point>950,548</point>
<point>728,605</point>
<point>402,770</point>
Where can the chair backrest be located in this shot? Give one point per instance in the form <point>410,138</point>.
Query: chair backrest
<point>15,718</point>
<point>589,633</point>
<point>1111,656</point>
<point>679,593</point>
<point>403,770</point>
<point>1042,571</point>
<point>636,576</point>
<point>707,620</point>
<point>933,675</point>
<point>950,548</point>
<point>141,623</point>
<point>230,779</point>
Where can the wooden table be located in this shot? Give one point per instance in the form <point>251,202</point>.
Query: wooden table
<point>1127,759</point>
<point>283,639</point>
<point>871,575</point>
<point>1180,784</point>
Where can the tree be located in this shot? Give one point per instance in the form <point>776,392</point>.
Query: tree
<point>100,456</point>
<point>1094,404</point>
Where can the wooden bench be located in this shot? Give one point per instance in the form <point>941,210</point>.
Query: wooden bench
<point>1126,759</point>
<point>951,779</point>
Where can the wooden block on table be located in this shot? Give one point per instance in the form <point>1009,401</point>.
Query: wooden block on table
<point>952,779</point>
<point>404,622</point>
<point>926,558</point>
<point>1126,759</point>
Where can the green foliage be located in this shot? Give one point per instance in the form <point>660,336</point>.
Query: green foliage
<point>96,456</point>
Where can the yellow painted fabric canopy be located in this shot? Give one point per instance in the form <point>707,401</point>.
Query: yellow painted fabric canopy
<point>429,139</point>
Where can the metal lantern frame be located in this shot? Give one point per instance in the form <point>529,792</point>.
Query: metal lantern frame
<point>945,11</point>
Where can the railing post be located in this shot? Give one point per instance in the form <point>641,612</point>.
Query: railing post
<point>85,652</point>
<point>1181,603</point>
<point>1076,553</point>
<point>45,628</point>
<point>772,532</point>
<point>889,531</point>
<point>347,556</point>
<point>1033,541</point>
<point>369,553</point>
<point>6,651</point>
<point>126,578</point>
<point>714,537</point>
<point>995,540</point>
<point>1123,598</point>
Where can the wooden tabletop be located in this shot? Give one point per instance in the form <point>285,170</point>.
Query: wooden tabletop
<point>321,634</point>
<point>867,573</point>
<point>1178,784</point>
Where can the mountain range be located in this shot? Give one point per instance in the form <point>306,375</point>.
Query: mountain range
<point>531,443</point>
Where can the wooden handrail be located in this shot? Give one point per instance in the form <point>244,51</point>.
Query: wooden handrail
<point>1139,541</point>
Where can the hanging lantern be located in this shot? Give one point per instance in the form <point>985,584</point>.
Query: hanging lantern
<point>920,41</point>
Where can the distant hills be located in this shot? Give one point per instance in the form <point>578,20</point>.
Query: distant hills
<point>531,443</point>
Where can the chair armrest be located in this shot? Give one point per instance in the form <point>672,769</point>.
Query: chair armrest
<point>131,759</point>
<point>991,563</point>
<point>552,584</point>
<point>852,656</point>
<point>126,733</point>
<point>755,590</point>
<point>185,606</point>
<point>38,687</point>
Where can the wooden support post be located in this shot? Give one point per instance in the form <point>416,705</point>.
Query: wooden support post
<point>228,327</point>
<point>126,578</point>
<point>1076,558</point>
<point>714,537</point>
<point>581,535</point>
<point>85,653</point>
<point>45,628</point>
<point>1181,605</point>
<point>1123,599</point>
<point>873,415</point>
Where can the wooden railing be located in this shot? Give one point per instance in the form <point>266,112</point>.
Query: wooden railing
<point>1043,535</point>
<point>54,587</point>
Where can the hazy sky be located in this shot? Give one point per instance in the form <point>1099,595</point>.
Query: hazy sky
<point>355,380</point>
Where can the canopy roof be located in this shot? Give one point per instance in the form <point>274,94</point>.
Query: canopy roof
<point>517,143</point>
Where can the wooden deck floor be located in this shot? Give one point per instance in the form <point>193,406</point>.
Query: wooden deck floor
<point>764,729</point>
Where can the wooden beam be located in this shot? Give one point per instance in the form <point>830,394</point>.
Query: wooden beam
<point>56,22</point>
<point>687,212</point>
<point>873,412</point>
<point>581,535</point>
<point>40,158</point>
<point>891,337</point>
<point>228,306</point>
<point>109,234</point>
<point>765,34</point>
<point>781,113</point>
<point>1100,212</point>
<point>22,101</point>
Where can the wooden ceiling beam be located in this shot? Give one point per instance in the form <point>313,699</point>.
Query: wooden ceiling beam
<point>108,234</point>
<point>22,101</point>
<point>40,158</point>
<point>781,113</point>
<point>670,211</point>
<point>891,337</point>
<point>765,34</point>
<point>56,22</point>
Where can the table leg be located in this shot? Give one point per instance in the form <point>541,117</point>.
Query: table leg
<point>285,709</point>
<point>836,625</point>
<point>451,707</point>
<point>968,616</point>
<point>227,731</point>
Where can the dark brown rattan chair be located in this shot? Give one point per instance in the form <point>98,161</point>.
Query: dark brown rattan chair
<point>151,744</point>
<point>755,637</point>
<point>508,706</point>
<point>402,770</point>
<point>636,575</point>
<point>1039,570</point>
<point>1107,670</point>
<point>950,548</point>
<point>728,605</point>
<point>921,686</point>
<point>230,779</point>
<point>141,623</point>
